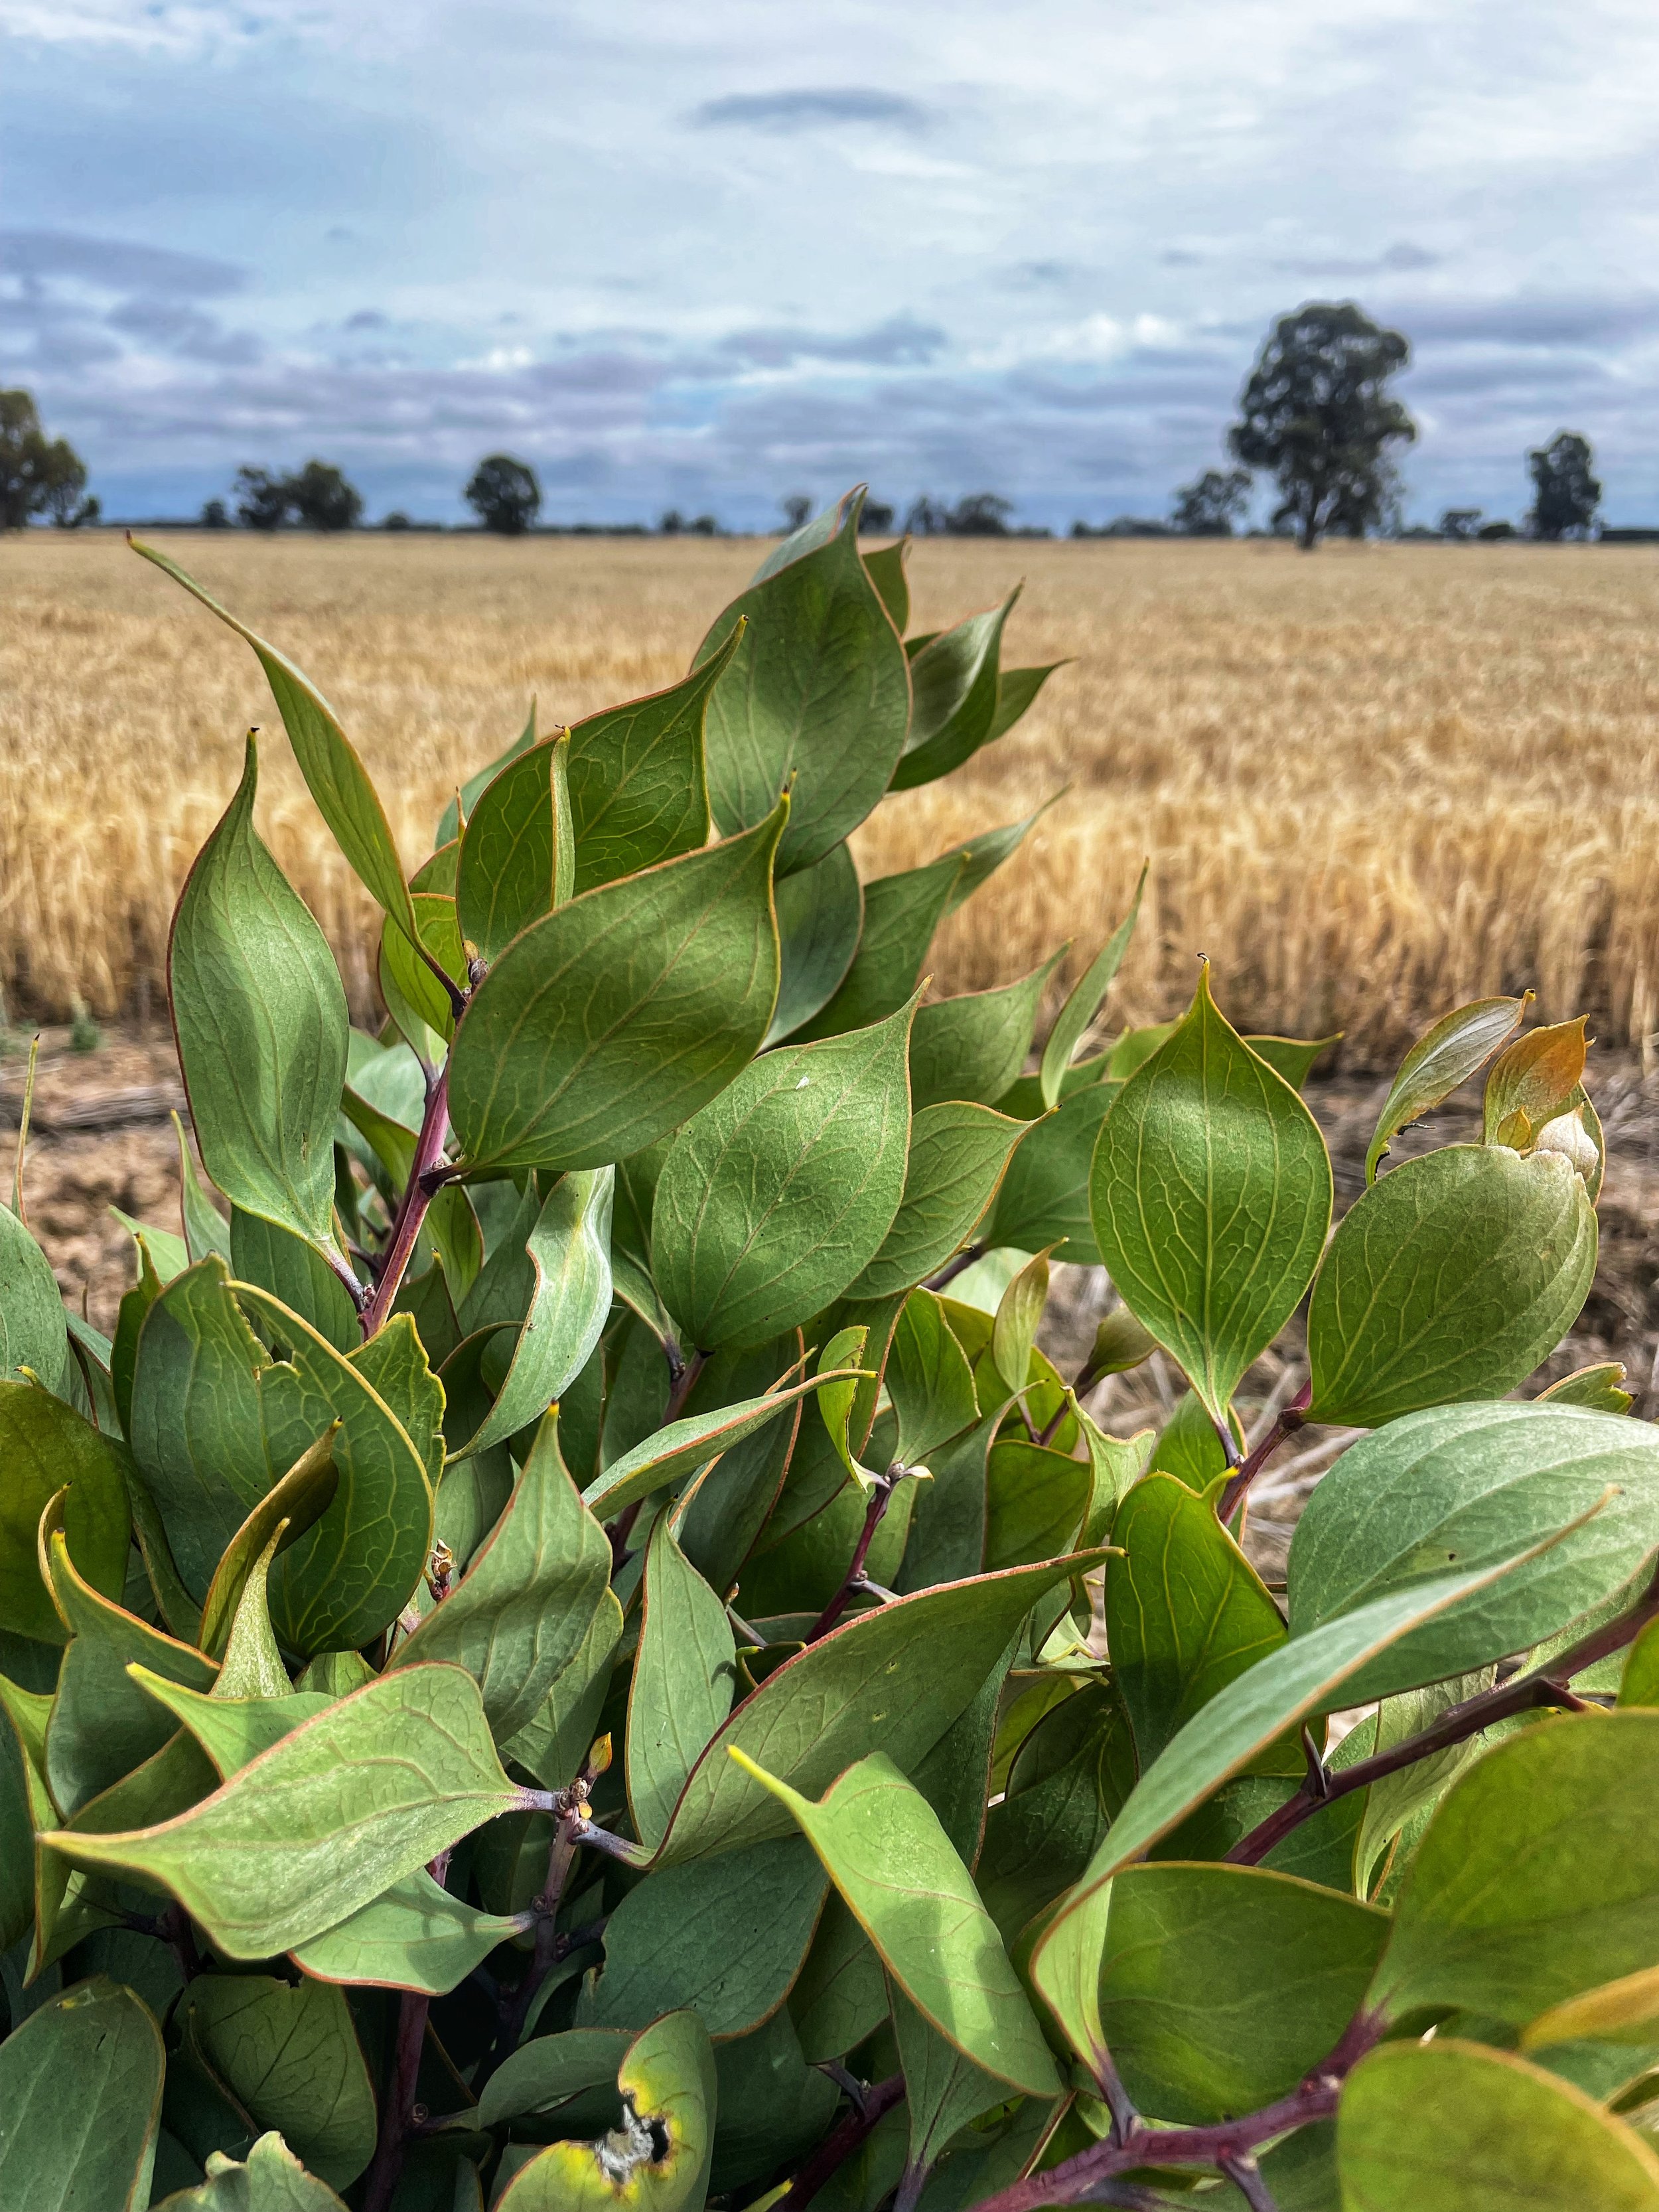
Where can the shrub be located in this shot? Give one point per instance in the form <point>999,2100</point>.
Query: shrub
<point>551,1657</point>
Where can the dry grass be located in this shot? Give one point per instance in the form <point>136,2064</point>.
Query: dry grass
<point>1370,783</point>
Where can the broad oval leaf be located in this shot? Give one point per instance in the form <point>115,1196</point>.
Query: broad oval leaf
<point>820,918</point>
<point>886,567</point>
<point>1211,1193</point>
<point>884,1848</point>
<point>519,1616</point>
<point>685,1679</point>
<point>517,860</point>
<point>418,1937</point>
<point>289,2055</point>
<point>33,1333</point>
<point>901,913</point>
<point>973,1046</point>
<point>658,2158</point>
<point>638,791</point>
<point>1085,999</point>
<point>781,1189</point>
<point>818,689</point>
<point>271,2180</point>
<point>1538,1877</point>
<point>1044,1196</point>
<point>1453,2127</point>
<point>928,1380</point>
<point>606,1025</point>
<point>261,1017</point>
<point>325,1820</point>
<point>1467,1487</point>
<point>296,1271</point>
<point>45,1445</point>
<point>80,2103</point>
<point>674,1448</point>
<point>1449,1279</point>
<point>955,681</point>
<point>1444,1057</point>
<point>958,1155</point>
<point>1221,1987</point>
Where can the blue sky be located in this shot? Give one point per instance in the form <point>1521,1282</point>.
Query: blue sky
<point>710,255</point>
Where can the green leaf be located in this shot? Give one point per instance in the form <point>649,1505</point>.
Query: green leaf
<point>337,780</point>
<point>1088,995</point>
<point>1185,1613</point>
<point>1292,1057</point>
<point>1639,1684</point>
<point>518,859</point>
<point>1017,691</point>
<point>901,913</point>
<point>1470,1487</point>
<point>1053,1808</point>
<point>885,569</point>
<point>555,1744</point>
<point>290,2057</point>
<point>1598,1387</point>
<point>205,1230</point>
<point>1211,1192</point>
<point>417,1937</point>
<point>102,1724</point>
<point>297,1271</point>
<point>1615,2011</point>
<point>973,1046</point>
<point>352,1572</point>
<point>235,1730</point>
<point>1393,1800</point>
<point>416,997</point>
<point>948,1533</point>
<point>719,1515</point>
<point>393,1363</point>
<point>271,2180</point>
<point>958,1155</point>
<point>658,2158</point>
<point>683,1679</point>
<point>302,1496</point>
<point>569,1254</point>
<point>943,2089</point>
<point>546,2073</point>
<point>518,1617</point>
<point>899,1676</point>
<point>955,682</point>
<point>681,1445</point>
<point>638,792</point>
<point>261,1018</point>
<point>781,1189</point>
<point>1304,1676</point>
<point>43,1446</point>
<point>1452,2127</point>
<point>1189,1445</point>
<point>1013,1330</point>
<point>1443,1058</point>
<point>1449,1279</point>
<point>1034,1502</point>
<point>820,530</point>
<point>328,1819</point>
<point>80,2103</point>
<point>882,1845</point>
<point>817,690</point>
<point>1539,1875</point>
<point>820,918</point>
<point>1115,1464</point>
<point>1531,1081</point>
<point>33,1331</point>
<point>603,1027</point>
<point>1222,1987</point>
<point>727,1937</point>
<point>928,1380</point>
<point>1044,1197</point>
<point>448,831</point>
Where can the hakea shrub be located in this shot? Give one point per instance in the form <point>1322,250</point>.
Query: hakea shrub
<point>551,1662</point>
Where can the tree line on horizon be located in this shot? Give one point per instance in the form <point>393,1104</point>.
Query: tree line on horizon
<point>1317,417</point>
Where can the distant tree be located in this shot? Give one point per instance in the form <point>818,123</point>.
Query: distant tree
<point>1212,504</point>
<point>215,515</point>
<point>505,495</point>
<point>1461,524</point>
<point>980,515</point>
<point>796,510</point>
<point>672,523</point>
<point>323,499</point>
<point>1316,416</point>
<point>703,526</point>
<point>1566,496</point>
<point>395,520</point>
<point>262,501</point>
<point>876,519</point>
<point>38,475</point>
<point>1490,532</point>
<point>64,487</point>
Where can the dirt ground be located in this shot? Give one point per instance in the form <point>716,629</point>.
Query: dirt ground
<point>102,1135</point>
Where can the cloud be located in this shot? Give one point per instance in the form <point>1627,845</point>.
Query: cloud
<point>177,329</point>
<point>809,108</point>
<point>902,342</point>
<point>1394,261</point>
<point>116,264</point>
<point>1564,320</point>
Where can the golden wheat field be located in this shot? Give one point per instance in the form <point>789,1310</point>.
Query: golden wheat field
<point>1370,783</point>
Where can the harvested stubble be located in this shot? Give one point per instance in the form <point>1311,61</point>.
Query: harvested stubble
<point>1370,783</point>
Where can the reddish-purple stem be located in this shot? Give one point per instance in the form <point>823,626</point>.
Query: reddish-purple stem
<point>1289,1421</point>
<point>418,1195</point>
<point>886,1485</point>
<point>840,2144</point>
